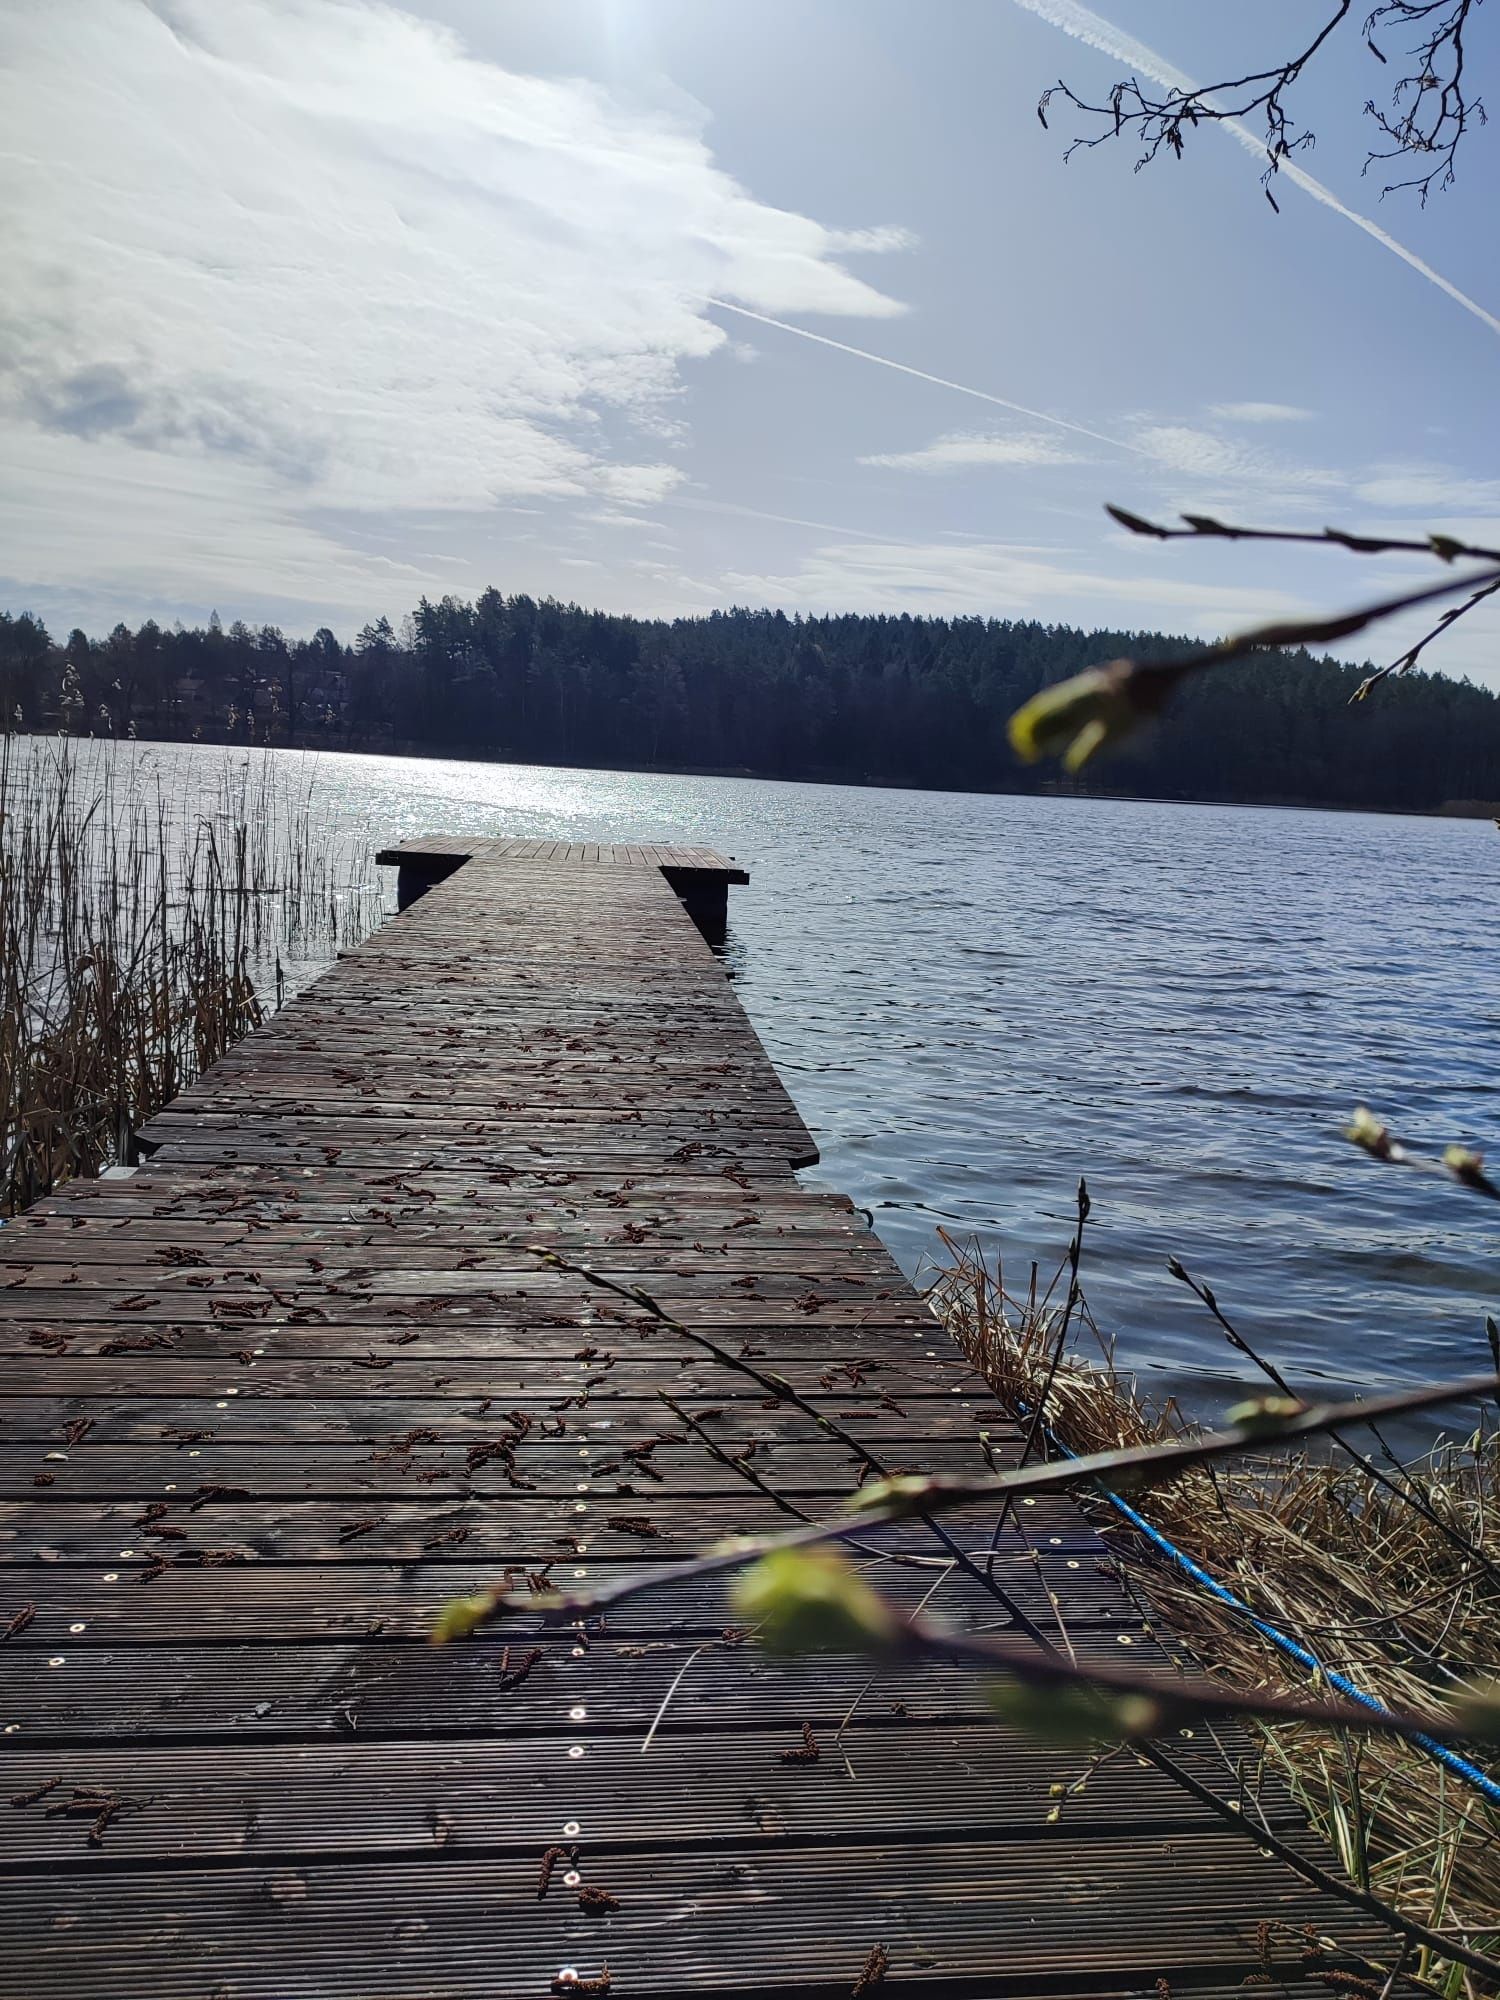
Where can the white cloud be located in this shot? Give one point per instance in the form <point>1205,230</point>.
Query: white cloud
<point>1408,489</point>
<point>1200,454</point>
<point>1194,466</point>
<point>613,517</point>
<point>960,450</point>
<point>101,525</point>
<point>1260,413</point>
<point>1205,471</point>
<point>871,241</point>
<point>316,245</point>
<point>1004,580</point>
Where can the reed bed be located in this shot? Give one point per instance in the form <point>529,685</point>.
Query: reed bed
<point>1370,1566</point>
<point>143,932</point>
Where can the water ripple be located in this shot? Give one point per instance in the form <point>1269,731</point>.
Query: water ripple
<point>977,999</point>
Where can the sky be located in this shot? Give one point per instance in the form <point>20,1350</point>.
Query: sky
<point>313,307</point>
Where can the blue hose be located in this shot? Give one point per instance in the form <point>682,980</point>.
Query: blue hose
<point>1449,1759</point>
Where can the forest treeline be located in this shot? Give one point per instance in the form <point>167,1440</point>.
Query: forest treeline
<point>893,700</point>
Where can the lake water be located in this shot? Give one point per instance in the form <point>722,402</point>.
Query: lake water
<point>974,1000</point>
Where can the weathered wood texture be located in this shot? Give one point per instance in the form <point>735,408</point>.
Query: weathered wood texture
<point>700,878</point>
<point>267,1404</point>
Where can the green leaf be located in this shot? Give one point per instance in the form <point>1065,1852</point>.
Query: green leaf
<point>1366,1130</point>
<point>811,1601</point>
<point>459,1617</point>
<point>1075,719</point>
<point>1468,1166</point>
<point>1072,1715</point>
<point>908,1491</point>
<point>1477,1710</point>
<point>1264,1416</point>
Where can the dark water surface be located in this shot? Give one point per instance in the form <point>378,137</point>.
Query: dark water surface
<point>974,1000</point>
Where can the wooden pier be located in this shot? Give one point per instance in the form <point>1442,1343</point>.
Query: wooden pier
<point>271,1401</point>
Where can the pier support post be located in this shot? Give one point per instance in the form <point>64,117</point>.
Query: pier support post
<point>705,899</point>
<point>417,874</point>
<point>701,880</point>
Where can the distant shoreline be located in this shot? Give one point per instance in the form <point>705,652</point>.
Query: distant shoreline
<point>865,700</point>
<point>1467,809</point>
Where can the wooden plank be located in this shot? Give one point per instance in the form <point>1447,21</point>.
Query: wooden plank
<point>798,1467</point>
<point>270,1602</point>
<point>762,1922</point>
<point>378,1418</point>
<point>313,1801</point>
<point>604,1518</point>
<point>164,1371</point>
<point>272,1400</point>
<point>380,1690</point>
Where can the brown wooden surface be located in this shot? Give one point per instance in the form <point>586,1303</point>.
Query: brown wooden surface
<point>651,854</point>
<point>245,1400</point>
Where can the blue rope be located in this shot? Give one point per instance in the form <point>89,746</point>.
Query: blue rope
<point>1449,1759</point>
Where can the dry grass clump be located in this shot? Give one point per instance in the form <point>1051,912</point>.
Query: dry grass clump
<point>140,937</point>
<point>1388,1573</point>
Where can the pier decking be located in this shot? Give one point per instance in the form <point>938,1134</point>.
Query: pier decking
<point>271,1401</point>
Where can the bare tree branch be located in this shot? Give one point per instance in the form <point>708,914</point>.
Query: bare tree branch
<point>903,1499</point>
<point>1077,718</point>
<point>1203,527</point>
<point>1431,108</point>
<point>1413,653</point>
<point>1333,1885</point>
<point>1153,1705</point>
<point>1406,1490</point>
<point>1460,1163</point>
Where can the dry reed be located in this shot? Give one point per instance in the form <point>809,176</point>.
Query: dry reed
<point>1333,1554</point>
<point>142,935</point>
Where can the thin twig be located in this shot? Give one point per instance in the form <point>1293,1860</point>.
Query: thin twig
<point>1409,1493</point>
<point>902,1499</point>
<point>739,1465</point>
<point>1203,527</point>
<point>667,1697</point>
<point>777,1385</point>
<point>1164,1705</point>
<point>1036,1428</point>
<point>1321,1878</point>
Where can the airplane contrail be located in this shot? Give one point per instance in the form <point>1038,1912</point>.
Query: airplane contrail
<point>699,504</point>
<point>922,375</point>
<point>1082,24</point>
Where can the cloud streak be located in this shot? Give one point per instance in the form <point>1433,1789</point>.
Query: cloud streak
<point>989,579</point>
<point>1082,24</point>
<point>1260,413</point>
<point>961,450</point>
<point>923,375</point>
